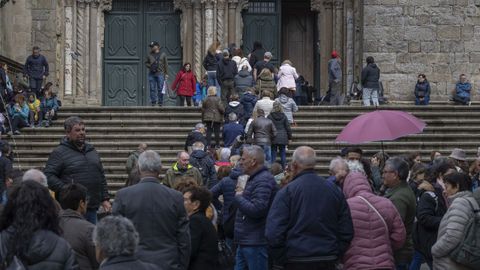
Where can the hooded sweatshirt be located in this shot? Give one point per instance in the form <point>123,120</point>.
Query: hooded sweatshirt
<point>289,106</point>
<point>237,108</point>
<point>374,241</point>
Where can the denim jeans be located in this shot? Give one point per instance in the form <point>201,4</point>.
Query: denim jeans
<point>251,258</point>
<point>36,86</point>
<point>402,266</point>
<point>283,155</point>
<point>267,149</point>
<point>156,87</point>
<point>425,101</point>
<point>91,216</point>
<point>370,93</point>
<point>417,261</point>
<point>461,100</point>
<point>212,81</point>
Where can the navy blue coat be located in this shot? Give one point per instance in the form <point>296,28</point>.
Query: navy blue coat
<point>226,187</point>
<point>230,132</point>
<point>36,66</point>
<point>248,101</point>
<point>253,206</point>
<point>309,220</point>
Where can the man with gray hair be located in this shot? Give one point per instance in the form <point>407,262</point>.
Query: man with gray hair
<point>35,175</point>
<point>76,161</point>
<point>253,200</point>
<point>338,170</point>
<point>204,163</point>
<point>116,242</point>
<point>158,214</point>
<point>182,168</point>
<point>395,174</point>
<point>309,225</point>
<point>197,135</point>
<point>232,130</point>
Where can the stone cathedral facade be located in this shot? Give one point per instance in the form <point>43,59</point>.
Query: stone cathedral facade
<point>96,48</point>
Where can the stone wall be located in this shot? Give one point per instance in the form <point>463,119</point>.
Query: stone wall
<point>440,38</point>
<point>16,30</point>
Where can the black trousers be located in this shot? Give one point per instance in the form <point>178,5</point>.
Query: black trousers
<point>328,265</point>
<point>215,128</point>
<point>181,101</point>
<point>18,123</point>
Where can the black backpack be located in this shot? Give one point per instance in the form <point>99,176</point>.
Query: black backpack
<point>203,166</point>
<point>468,251</point>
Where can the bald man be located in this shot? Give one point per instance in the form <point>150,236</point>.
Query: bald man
<point>309,224</point>
<point>182,168</point>
<point>253,202</point>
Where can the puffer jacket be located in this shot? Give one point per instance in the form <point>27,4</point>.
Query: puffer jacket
<point>185,83</point>
<point>286,77</point>
<point>243,80</point>
<point>212,110</point>
<point>46,251</point>
<point>266,104</point>
<point>248,101</point>
<point>68,164</point>
<point>284,132</point>
<point>451,232</point>
<point>242,62</point>
<point>262,131</point>
<point>371,76</point>
<point>210,61</point>
<point>373,244</point>
<point>226,187</point>
<point>36,66</point>
<point>206,165</point>
<point>237,108</point>
<point>289,106</point>
<point>253,206</point>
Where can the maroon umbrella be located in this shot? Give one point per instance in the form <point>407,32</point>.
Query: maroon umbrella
<point>381,125</point>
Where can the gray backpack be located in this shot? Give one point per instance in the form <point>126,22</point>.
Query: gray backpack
<point>468,251</point>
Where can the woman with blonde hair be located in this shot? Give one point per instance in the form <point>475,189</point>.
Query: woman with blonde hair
<point>287,75</point>
<point>212,115</point>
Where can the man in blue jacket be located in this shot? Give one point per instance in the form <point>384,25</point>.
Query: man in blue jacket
<point>309,225</point>
<point>36,68</point>
<point>232,130</point>
<point>253,202</point>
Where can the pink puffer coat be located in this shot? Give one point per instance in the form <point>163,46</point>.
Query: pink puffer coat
<point>372,245</point>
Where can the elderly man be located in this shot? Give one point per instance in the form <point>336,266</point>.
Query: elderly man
<point>305,230</point>
<point>159,216</point>
<point>395,175</point>
<point>232,130</point>
<point>182,168</point>
<point>76,161</point>
<point>204,163</point>
<point>116,241</point>
<point>197,135</point>
<point>253,201</point>
<point>263,131</point>
<point>35,175</point>
<point>338,171</point>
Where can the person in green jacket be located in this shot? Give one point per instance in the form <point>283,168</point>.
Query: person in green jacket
<point>180,169</point>
<point>395,175</point>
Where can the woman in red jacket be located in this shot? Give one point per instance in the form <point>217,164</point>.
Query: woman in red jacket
<point>185,85</point>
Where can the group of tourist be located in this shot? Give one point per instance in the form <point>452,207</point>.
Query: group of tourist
<point>32,104</point>
<point>460,95</point>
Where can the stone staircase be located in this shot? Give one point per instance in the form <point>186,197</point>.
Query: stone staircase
<point>117,131</point>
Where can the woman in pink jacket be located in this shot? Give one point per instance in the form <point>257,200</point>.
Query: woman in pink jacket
<point>287,76</point>
<point>378,227</point>
<point>185,85</point>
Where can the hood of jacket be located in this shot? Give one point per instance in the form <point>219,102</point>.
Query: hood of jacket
<point>41,246</point>
<point>283,98</point>
<point>236,172</point>
<point>177,170</point>
<point>243,73</point>
<point>277,116</point>
<point>198,154</point>
<point>248,97</point>
<point>234,104</point>
<point>87,147</point>
<point>373,65</point>
<point>355,183</point>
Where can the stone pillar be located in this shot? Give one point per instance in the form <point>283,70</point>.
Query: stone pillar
<point>69,22</point>
<point>197,40</point>
<point>220,29</point>
<point>232,21</point>
<point>349,43</point>
<point>208,22</point>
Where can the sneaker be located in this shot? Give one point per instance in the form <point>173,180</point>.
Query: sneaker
<point>10,133</point>
<point>17,132</point>
<point>32,125</point>
<point>160,104</point>
<point>469,103</point>
<point>47,124</point>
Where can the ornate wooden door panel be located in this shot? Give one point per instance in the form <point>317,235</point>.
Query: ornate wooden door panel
<point>129,28</point>
<point>261,23</point>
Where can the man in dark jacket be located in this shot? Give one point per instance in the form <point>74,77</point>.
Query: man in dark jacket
<point>159,216</point>
<point>253,200</point>
<point>263,131</point>
<point>180,169</point>
<point>5,165</point>
<point>157,73</point>
<point>243,80</point>
<point>116,240</point>
<point>335,79</point>
<point>76,230</point>
<point>76,161</point>
<point>265,63</point>
<point>131,166</point>
<point>248,101</point>
<point>226,71</point>
<point>36,68</point>
<point>197,135</point>
<point>370,82</point>
<point>232,130</point>
<point>204,163</point>
<point>305,230</point>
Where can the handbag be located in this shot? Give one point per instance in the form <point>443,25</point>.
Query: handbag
<point>375,210</point>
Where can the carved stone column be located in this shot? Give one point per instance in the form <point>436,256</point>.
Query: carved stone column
<point>221,22</point>
<point>197,39</point>
<point>69,21</point>
<point>232,21</point>
<point>349,43</point>
<point>208,22</point>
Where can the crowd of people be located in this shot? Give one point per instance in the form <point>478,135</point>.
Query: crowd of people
<point>232,208</point>
<point>30,102</point>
